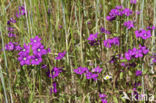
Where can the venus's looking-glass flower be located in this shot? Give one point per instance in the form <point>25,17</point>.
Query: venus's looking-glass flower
<point>54,89</point>
<point>97,69</point>
<point>60,55</point>
<point>36,60</point>
<point>129,24</point>
<point>12,20</point>
<point>92,37</point>
<point>39,50</point>
<point>138,73</point>
<point>25,50</point>
<point>90,75</point>
<point>112,41</point>
<point>81,70</point>
<point>151,28</point>
<point>133,1</point>
<point>10,29</point>
<point>24,59</point>
<point>35,41</point>
<point>10,46</point>
<point>118,11</point>
<point>54,72</point>
<point>11,35</point>
<point>143,34</point>
<point>103,30</point>
<point>21,11</point>
<point>102,95</point>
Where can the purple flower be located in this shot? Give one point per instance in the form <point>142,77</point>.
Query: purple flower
<point>144,49</point>
<point>44,66</point>
<point>54,89</point>
<point>92,37</point>
<point>48,50</point>
<point>109,42</point>
<point>12,20</point>
<point>133,1</point>
<point>129,24</point>
<point>25,50</point>
<point>36,60</point>
<point>137,52</point>
<point>90,75</point>
<point>97,69</point>
<point>11,35</point>
<point>60,55</point>
<point>127,56</point>
<point>39,50</point>
<point>151,28</point>
<point>137,12</point>
<point>103,30</point>
<point>104,100</point>
<point>110,18</point>
<point>60,26</point>
<point>21,11</point>
<point>10,46</point>
<point>127,12</point>
<point>143,34</point>
<point>123,64</point>
<point>18,48</point>
<point>35,41</point>
<point>138,73</point>
<point>54,72</point>
<point>10,29</point>
<point>24,59</point>
<point>102,95</point>
<point>146,35</point>
<point>81,70</point>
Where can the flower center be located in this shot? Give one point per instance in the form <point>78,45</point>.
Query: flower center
<point>36,59</point>
<point>145,34</point>
<point>107,77</point>
<point>24,58</point>
<point>24,50</point>
<point>34,40</point>
<point>39,49</point>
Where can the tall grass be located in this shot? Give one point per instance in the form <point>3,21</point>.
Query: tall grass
<point>65,25</point>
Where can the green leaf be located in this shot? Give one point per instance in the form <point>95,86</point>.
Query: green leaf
<point>130,73</point>
<point>145,71</point>
<point>121,75</point>
<point>115,100</point>
<point>123,60</point>
<point>116,34</point>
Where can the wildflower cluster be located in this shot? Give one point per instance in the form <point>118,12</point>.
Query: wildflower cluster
<point>118,11</point>
<point>103,30</point>
<point>93,39</point>
<point>136,53</point>
<point>89,75</point>
<point>129,24</point>
<point>38,51</point>
<point>21,11</point>
<point>11,29</point>
<point>112,41</point>
<point>143,34</point>
<point>103,98</point>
